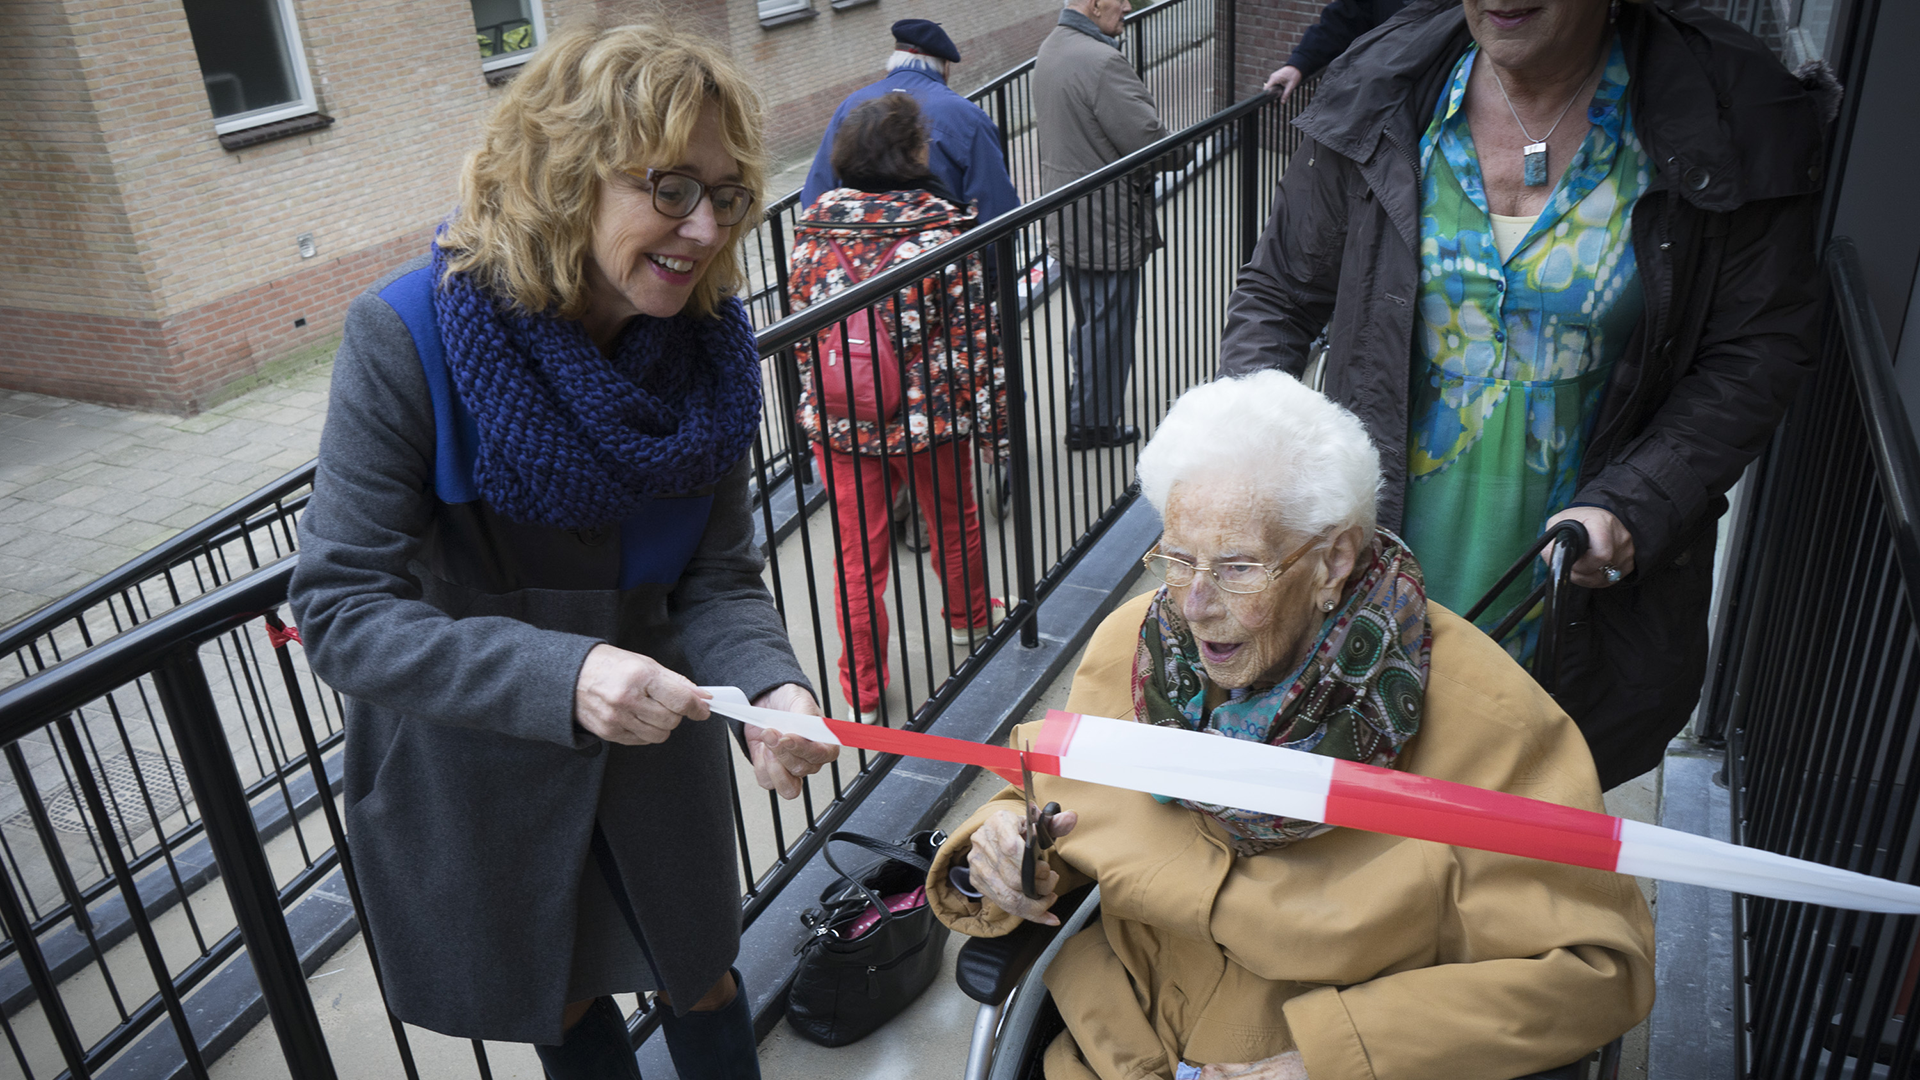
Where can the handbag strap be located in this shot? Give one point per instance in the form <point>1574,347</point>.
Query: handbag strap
<point>846,263</point>
<point>879,847</point>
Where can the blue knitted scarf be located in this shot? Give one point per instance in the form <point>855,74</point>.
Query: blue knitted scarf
<point>574,440</point>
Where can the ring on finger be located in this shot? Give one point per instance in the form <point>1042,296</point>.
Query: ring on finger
<point>1611,573</point>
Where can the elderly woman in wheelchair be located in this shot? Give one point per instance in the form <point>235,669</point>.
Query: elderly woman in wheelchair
<point>1236,944</point>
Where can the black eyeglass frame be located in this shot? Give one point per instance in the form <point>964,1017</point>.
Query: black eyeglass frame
<point>704,190</point>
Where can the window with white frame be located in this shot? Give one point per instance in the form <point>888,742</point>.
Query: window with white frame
<point>251,60</point>
<point>774,9</point>
<point>507,31</point>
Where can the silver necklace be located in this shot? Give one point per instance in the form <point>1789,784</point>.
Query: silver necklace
<point>1533,156</point>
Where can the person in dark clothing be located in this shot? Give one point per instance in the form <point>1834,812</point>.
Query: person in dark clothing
<point>963,145</point>
<point>1606,332</point>
<point>529,544</point>
<point>1341,21</point>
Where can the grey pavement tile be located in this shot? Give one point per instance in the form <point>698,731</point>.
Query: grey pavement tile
<point>90,527</point>
<point>101,500</point>
<point>15,606</point>
<point>130,478</point>
<point>34,409</point>
<point>66,492</point>
<point>23,542</point>
<point>205,422</point>
<point>178,486</point>
<point>81,470</point>
<point>193,514</point>
<point>15,511</point>
<point>107,557</point>
<point>156,509</point>
<point>135,537</point>
<point>57,518</point>
<point>249,473</point>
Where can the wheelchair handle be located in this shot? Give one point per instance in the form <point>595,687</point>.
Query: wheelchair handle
<point>1574,543</point>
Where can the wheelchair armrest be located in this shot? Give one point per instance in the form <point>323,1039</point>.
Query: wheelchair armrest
<point>987,969</point>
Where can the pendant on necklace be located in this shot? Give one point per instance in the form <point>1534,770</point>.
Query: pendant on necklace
<point>1534,158</point>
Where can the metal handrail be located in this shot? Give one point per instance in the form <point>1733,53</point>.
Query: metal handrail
<point>177,550</point>
<point>801,325</point>
<point>1896,453</point>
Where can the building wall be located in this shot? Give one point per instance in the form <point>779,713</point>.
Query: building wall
<point>143,264</point>
<point>1265,32</point>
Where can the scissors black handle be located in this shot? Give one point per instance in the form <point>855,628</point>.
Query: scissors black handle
<point>1039,838</point>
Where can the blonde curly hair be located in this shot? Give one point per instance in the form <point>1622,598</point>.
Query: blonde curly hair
<point>594,102</point>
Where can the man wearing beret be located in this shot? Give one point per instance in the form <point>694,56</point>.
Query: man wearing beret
<point>963,145</point>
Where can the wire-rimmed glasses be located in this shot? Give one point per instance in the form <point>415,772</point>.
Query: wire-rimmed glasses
<point>677,194</point>
<point>1239,576</point>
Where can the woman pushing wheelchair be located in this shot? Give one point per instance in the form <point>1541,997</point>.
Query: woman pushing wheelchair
<point>1236,944</point>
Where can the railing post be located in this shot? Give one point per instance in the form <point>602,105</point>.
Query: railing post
<point>14,917</point>
<point>1008,271</point>
<point>1139,28</point>
<point>1224,87</point>
<point>1249,184</point>
<point>187,700</point>
<point>43,828</point>
<point>788,363</point>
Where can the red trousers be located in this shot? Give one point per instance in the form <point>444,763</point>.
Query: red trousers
<point>862,489</point>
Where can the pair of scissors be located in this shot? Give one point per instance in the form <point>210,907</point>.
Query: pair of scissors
<point>1039,831</point>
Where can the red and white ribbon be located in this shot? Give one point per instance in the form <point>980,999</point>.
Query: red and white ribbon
<point>1270,779</point>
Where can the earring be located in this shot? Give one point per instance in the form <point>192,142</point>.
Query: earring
<point>1326,605</point>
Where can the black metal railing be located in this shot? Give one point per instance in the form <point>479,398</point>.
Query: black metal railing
<point>1817,694</point>
<point>175,750</point>
<point>1171,44</point>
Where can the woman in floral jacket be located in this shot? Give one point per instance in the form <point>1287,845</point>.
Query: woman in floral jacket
<point>953,390</point>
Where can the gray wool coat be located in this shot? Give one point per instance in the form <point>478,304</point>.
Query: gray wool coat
<point>1092,110</point>
<point>457,637</point>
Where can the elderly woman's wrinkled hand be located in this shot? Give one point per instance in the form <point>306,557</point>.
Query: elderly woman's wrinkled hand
<point>624,697</point>
<point>994,860</point>
<point>781,760</point>
<point>1287,1066</point>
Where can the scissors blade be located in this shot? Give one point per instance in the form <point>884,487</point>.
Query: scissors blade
<point>1030,858</point>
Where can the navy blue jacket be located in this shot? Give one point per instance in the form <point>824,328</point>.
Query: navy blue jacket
<point>963,145</point>
<point>1341,21</point>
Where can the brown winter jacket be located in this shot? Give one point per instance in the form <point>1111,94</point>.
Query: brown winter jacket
<point>1377,958</point>
<point>1725,243</point>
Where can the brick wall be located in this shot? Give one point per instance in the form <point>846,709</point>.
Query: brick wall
<point>1266,32</point>
<point>806,68</point>
<point>143,264</point>
<point>64,236</point>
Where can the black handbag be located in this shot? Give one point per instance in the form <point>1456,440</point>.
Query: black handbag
<point>846,987</point>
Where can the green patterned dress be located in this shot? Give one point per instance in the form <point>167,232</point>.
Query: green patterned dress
<point>1514,354</point>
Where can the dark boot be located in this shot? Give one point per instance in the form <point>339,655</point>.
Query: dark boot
<point>596,1048</point>
<point>717,1045</point>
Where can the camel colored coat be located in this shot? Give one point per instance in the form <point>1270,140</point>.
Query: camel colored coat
<point>1377,958</point>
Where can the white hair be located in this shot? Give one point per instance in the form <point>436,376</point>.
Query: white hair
<point>932,65</point>
<point>1310,459</point>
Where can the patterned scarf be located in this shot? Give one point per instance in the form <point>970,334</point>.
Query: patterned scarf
<point>573,440</point>
<point>1357,696</point>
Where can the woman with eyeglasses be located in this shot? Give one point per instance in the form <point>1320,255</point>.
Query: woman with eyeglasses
<point>1239,944</point>
<point>528,547</point>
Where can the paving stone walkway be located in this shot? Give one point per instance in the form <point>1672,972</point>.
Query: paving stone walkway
<point>84,488</point>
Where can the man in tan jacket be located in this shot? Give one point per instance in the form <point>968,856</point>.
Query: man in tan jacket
<point>1092,110</point>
